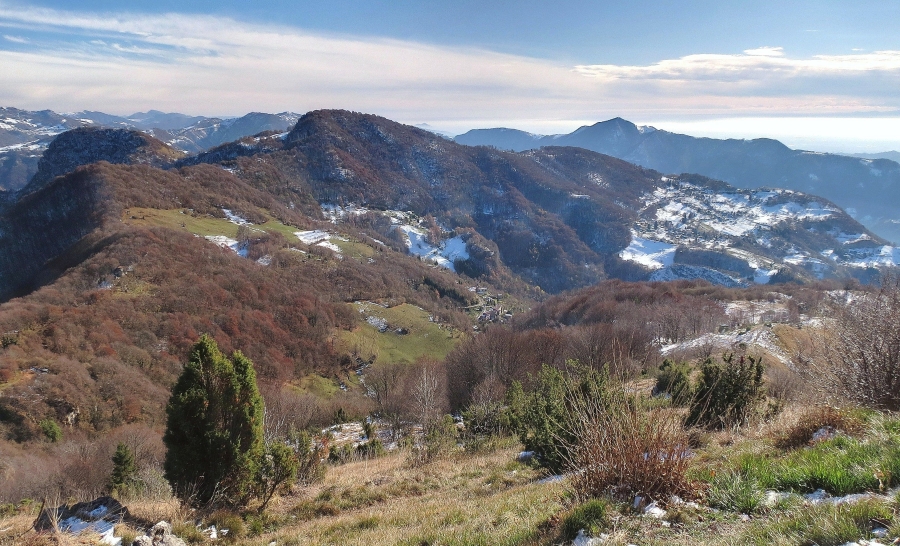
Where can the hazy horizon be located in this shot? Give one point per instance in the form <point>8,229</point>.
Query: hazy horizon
<point>816,75</point>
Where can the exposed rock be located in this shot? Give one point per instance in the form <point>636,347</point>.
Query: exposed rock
<point>160,535</point>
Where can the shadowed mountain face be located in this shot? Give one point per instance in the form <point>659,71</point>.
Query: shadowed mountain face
<point>89,145</point>
<point>868,188</point>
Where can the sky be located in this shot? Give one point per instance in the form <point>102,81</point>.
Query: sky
<point>819,75</point>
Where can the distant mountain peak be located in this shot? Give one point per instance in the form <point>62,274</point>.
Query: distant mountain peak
<point>88,145</point>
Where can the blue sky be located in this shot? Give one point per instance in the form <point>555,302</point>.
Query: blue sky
<point>819,75</point>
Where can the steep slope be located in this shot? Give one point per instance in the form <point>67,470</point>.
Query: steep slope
<point>120,267</point>
<point>866,187</point>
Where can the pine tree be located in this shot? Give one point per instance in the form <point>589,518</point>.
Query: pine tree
<point>214,431</point>
<point>124,468</point>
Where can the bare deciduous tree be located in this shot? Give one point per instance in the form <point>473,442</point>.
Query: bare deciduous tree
<point>425,394</point>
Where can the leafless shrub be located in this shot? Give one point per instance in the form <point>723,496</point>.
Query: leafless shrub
<point>624,449</point>
<point>858,356</point>
<point>783,384</point>
<point>287,411</point>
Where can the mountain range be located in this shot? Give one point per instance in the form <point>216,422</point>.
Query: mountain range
<point>867,187</point>
<point>553,218</point>
<point>25,135</point>
<point>307,248</point>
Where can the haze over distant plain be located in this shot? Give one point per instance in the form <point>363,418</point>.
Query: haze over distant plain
<point>817,75</point>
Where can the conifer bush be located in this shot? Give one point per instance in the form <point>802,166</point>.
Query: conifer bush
<point>543,417</point>
<point>727,393</point>
<point>675,380</point>
<point>51,430</point>
<point>214,431</point>
<point>124,469</point>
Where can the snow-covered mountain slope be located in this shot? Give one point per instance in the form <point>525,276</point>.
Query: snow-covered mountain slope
<point>742,233</point>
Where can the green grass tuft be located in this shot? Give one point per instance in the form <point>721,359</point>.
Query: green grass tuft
<point>591,516</point>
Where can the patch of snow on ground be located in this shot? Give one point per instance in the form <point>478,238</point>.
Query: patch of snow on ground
<point>338,212</point>
<point>730,213</point>
<point>229,243</point>
<point>105,529</point>
<point>443,255</point>
<point>651,254</point>
<point>30,146</point>
<point>847,238</point>
<point>759,337</point>
<point>330,246</point>
<point>320,238</point>
<point>312,237</point>
<point>763,276</point>
<point>235,219</point>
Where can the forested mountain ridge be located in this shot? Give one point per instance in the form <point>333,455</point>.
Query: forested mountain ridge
<point>562,216</point>
<point>352,241</point>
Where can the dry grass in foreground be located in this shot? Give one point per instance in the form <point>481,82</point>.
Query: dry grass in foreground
<point>464,499</point>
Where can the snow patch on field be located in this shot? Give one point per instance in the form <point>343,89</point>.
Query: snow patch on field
<point>761,338</point>
<point>312,237</point>
<point>229,243</point>
<point>651,254</point>
<point>235,219</point>
<point>763,276</point>
<point>320,238</point>
<point>443,255</point>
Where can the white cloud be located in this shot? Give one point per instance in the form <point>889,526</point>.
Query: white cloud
<point>15,39</point>
<point>766,51</point>
<point>126,62</point>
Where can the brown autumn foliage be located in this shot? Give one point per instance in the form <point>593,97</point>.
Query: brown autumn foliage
<point>99,342</point>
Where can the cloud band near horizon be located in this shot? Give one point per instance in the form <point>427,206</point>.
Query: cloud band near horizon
<point>126,62</point>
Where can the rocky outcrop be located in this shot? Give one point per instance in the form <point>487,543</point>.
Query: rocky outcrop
<point>160,535</point>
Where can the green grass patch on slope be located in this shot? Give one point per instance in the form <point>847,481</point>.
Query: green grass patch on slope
<point>318,385</point>
<point>410,335</point>
<point>841,466</point>
<point>202,225</point>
